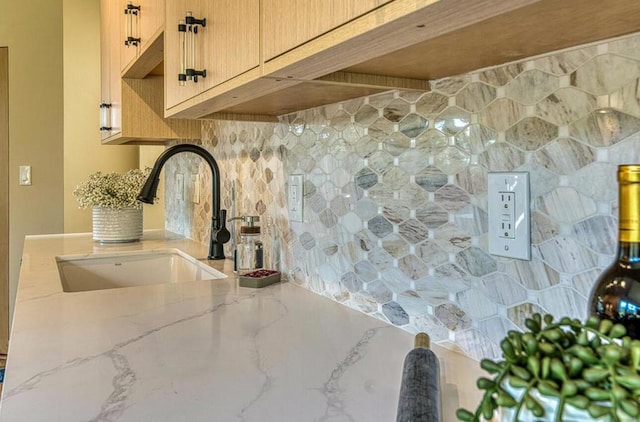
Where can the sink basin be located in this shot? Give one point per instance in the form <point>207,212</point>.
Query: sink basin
<point>79,273</point>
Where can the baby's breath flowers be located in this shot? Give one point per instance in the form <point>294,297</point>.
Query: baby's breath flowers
<point>111,190</point>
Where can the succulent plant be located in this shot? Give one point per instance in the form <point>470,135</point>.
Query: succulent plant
<point>591,366</point>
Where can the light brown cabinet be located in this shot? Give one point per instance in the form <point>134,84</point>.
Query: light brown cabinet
<point>132,109</point>
<point>141,22</point>
<point>227,45</point>
<point>288,24</point>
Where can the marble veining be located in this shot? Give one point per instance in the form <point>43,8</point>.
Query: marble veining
<point>201,350</point>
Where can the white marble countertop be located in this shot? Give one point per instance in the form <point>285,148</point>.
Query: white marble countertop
<point>201,350</point>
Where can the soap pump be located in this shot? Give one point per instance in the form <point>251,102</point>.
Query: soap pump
<point>249,254</point>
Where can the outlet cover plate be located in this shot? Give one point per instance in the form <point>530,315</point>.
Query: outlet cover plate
<point>294,197</point>
<point>509,200</point>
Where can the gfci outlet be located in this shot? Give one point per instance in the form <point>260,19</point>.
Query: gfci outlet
<point>509,215</point>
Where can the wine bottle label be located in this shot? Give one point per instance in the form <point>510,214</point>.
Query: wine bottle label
<point>629,212</point>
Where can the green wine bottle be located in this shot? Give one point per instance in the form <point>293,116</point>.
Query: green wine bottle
<point>616,293</point>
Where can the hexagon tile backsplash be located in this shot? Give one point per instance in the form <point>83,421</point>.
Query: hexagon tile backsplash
<point>395,205</point>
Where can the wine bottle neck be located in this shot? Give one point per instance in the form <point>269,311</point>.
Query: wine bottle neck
<point>629,211</point>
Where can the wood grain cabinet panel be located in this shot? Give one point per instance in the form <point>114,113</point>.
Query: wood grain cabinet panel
<point>288,24</point>
<point>227,46</point>
<point>136,104</point>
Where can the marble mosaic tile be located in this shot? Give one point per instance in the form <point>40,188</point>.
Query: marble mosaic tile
<point>396,213</point>
<point>475,138</point>
<point>605,73</point>
<point>596,181</point>
<point>452,120</point>
<point>384,157</point>
<point>431,179</point>
<point>431,142</point>
<point>598,233</point>
<point>567,255</point>
<point>566,62</point>
<point>379,291</point>
<point>475,96</point>
<point>431,104</point>
<point>501,114</point>
<point>605,127</point>
<point>431,254</point>
<point>476,304</point>
<point>450,86</point>
<point>566,205</point>
<point>584,282</point>
<point>499,76</point>
<point>531,86</point>
<point>565,106</point>
<point>625,152</point>
<point>364,302</point>
<point>519,313</point>
<point>496,328</point>
<point>412,303</point>
<point>564,156</point>
<point>413,161</point>
<point>451,198</point>
<point>396,110</point>
<point>502,289</point>
<point>476,262</point>
<point>477,345</point>
<point>366,115</point>
<point>452,239</point>
<point>533,275</point>
<point>396,144</point>
<point>451,160</point>
<point>380,129</point>
<point>542,228</point>
<point>454,318</point>
<point>411,195</point>
<point>379,226</point>
<point>473,179</point>
<point>395,313</point>
<point>413,231</point>
<point>627,98</point>
<point>429,324</point>
<point>472,220</point>
<point>395,246</point>
<point>412,267</point>
<point>395,178</point>
<point>502,157</point>
<point>531,133</point>
<point>413,125</point>
<point>561,300</point>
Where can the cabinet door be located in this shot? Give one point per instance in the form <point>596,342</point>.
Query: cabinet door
<point>151,20</point>
<point>129,26</point>
<point>288,24</point>
<point>110,82</point>
<point>175,11</point>
<point>232,39</point>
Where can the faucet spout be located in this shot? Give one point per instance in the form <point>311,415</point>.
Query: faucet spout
<point>147,195</point>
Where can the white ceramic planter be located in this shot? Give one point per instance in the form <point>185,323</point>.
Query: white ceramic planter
<point>117,226</point>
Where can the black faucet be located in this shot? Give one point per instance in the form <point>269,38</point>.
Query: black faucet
<point>219,233</point>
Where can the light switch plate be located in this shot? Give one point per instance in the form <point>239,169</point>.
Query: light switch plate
<point>294,198</point>
<point>508,198</point>
<point>25,175</point>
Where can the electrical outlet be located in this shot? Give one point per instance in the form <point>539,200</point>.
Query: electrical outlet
<point>180,186</point>
<point>508,198</point>
<point>295,197</point>
<point>195,182</point>
<point>508,215</point>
